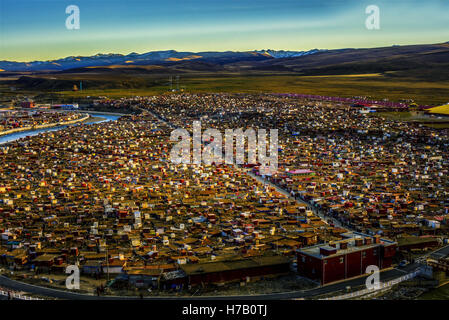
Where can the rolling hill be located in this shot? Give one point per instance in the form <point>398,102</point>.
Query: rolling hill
<point>396,72</point>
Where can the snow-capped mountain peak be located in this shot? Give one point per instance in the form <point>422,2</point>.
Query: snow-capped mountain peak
<point>278,54</point>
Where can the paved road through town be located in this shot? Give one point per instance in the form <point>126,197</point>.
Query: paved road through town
<point>359,283</point>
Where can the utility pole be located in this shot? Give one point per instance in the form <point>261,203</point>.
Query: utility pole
<point>107,260</point>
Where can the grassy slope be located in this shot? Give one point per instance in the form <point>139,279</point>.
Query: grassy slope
<point>440,110</point>
<point>377,86</point>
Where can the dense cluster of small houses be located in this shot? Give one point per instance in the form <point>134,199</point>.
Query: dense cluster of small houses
<point>17,119</point>
<point>107,197</point>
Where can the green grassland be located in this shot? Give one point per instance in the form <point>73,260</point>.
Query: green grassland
<point>343,86</point>
<point>378,86</point>
<point>435,121</point>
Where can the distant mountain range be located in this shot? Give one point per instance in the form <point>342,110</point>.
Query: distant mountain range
<point>427,62</point>
<point>149,58</point>
<point>277,54</point>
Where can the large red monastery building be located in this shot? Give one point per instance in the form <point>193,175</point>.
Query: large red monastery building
<point>345,258</point>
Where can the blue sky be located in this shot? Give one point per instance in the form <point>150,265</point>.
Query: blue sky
<point>35,29</point>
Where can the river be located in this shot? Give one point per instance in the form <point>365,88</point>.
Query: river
<point>14,136</point>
